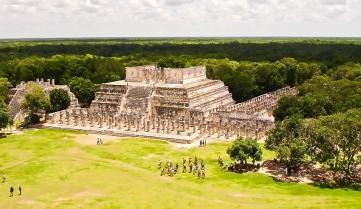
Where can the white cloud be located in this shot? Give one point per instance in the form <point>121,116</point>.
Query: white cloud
<point>172,17</point>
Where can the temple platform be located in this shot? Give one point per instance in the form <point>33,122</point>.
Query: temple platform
<point>182,139</point>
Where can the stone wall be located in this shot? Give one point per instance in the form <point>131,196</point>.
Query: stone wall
<point>184,75</point>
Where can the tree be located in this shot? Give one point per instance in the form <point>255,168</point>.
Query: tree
<point>243,149</point>
<point>59,99</point>
<point>83,89</point>
<point>350,71</point>
<point>335,140</point>
<point>285,139</point>
<point>287,106</point>
<point>292,70</point>
<point>5,119</point>
<point>321,96</point>
<point>4,88</point>
<point>36,102</point>
<point>172,62</point>
<point>269,77</point>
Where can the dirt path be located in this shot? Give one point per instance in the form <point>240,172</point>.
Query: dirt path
<point>91,139</point>
<point>196,143</point>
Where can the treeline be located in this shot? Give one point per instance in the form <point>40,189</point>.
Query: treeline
<point>336,91</point>
<point>322,124</point>
<point>63,68</point>
<point>331,54</point>
<point>249,79</point>
<point>244,79</point>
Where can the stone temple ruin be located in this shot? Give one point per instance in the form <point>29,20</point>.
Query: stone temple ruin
<point>17,93</point>
<point>177,104</point>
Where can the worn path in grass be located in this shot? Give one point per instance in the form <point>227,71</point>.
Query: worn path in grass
<point>56,171</point>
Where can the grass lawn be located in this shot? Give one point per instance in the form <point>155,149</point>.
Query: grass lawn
<point>56,171</point>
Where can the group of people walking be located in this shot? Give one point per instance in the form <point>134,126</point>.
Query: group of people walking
<point>99,141</point>
<point>194,167</point>
<point>11,187</point>
<point>203,142</point>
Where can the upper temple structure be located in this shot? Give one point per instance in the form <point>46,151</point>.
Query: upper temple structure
<point>177,104</point>
<point>163,92</point>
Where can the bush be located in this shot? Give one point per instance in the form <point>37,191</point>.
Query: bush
<point>83,89</point>
<point>243,149</point>
<point>59,99</point>
<point>31,119</point>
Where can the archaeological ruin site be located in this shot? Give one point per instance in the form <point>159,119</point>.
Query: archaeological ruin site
<point>179,105</point>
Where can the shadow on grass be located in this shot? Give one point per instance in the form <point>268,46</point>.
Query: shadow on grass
<point>5,135</point>
<point>332,185</point>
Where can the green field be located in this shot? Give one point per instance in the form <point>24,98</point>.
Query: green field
<point>56,171</point>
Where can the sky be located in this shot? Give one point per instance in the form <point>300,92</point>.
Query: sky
<point>179,18</point>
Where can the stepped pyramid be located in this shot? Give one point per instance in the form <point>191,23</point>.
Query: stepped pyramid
<point>171,92</point>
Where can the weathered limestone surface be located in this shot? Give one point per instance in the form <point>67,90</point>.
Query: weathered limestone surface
<point>180,105</point>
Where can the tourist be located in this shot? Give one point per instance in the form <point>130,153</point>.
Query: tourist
<point>160,165</point>
<point>169,170</point>
<point>176,167</point>
<point>194,169</point>
<point>203,174</point>
<point>184,168</point>
<point>199,173</point>
<point>162,172</point>
<point>220,161</point>
<point>4,178</point>
<point>19,190</point>
<point>190,167</point>
<point>11,191</point>
<point>184,161</point>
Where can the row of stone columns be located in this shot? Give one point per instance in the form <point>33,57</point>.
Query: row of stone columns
<point>81,117</point>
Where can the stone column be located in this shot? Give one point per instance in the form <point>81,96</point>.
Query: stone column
<point>111,120</point>
<point>82,118</point>
<point>153,122</point>
<point>168,125</point>
<point>120,119</point>
<point>172,125</point>
<point>227,131</point>
<point>101,120</point>
<point>61,118</point>
<point>129,122</point>
<point>220,131</point>
<point>147,126</point>
<point>115,121</point>
<point>91,118</point>
<point>158,128</point>
<point>158,122</point>
<point>137,124</point>
<point>76,117</point>
<point>52,119</point>
<point>125,120</point>
<point>209,128</point>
